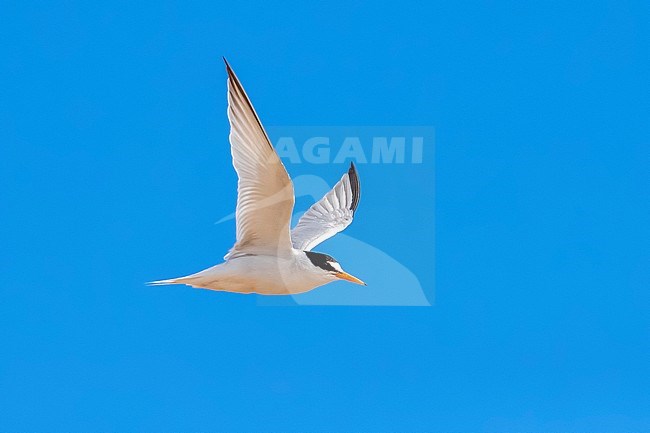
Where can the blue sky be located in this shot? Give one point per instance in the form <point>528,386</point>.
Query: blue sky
<point>114,168</point>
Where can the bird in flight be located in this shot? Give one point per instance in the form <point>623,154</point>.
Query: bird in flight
<point>269,257</point>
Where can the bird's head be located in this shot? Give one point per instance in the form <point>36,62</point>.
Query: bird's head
<point>331,267</point>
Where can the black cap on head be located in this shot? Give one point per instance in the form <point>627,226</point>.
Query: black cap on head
<point>322,261</point>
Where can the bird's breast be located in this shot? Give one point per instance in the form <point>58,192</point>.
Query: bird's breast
<point>271,275</point>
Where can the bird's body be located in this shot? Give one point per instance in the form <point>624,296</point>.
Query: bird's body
<point>268,257</point>
<point>261,274</point>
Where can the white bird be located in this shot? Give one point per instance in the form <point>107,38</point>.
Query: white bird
<point>268,257</point>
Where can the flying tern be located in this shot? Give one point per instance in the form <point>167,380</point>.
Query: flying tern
<point>269,257</point>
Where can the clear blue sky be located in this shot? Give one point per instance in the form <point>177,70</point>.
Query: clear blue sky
<point>113,170</point>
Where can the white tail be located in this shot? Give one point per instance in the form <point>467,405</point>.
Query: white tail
<point>166,282</point>
<point>203,279</point>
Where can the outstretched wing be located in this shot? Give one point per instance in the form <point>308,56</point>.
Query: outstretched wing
<point>264,191</point>
<point>330,215</point>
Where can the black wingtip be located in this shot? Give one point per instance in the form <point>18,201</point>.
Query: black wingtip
<point>228,67</point>
<point>355,186</point>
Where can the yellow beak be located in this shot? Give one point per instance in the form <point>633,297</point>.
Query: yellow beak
<point>350,278</point>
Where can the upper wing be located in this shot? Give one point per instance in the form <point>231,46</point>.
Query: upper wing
<point>330,215</point>
<point>264,191</point>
